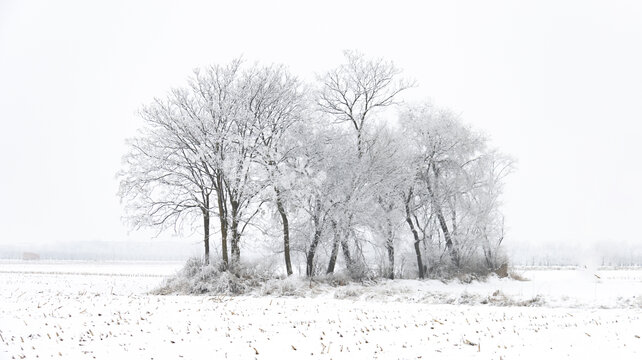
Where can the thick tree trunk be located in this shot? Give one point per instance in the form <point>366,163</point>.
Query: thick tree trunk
<point>346,252</point>
<point>309,260</point>
<point>345,235</point>
<point>286,232</point>
<point>236,236</point>
<point>420,265</point>
<point>335,250</point>
<point>222,215</point>
<point>309,269</point>
<point>236,251</point>
<point>333,256</point>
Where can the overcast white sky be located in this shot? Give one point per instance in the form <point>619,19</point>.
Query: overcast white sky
<point>557,84</point>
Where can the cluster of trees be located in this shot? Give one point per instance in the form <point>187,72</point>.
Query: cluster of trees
<point>338,171</point>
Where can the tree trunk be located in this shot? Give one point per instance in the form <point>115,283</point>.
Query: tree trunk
<point>222,216</point>
<point>335,250</point>
<point>391,251</point>
<point>206,237</point>
<point>286,232</point>
<point>442,220</point>
<point>420,265</point>
<point>447,236</point>
<point>489,260</point>
<point>236,250</point>
<point>309,269</point>
<point>344,245</point>
<point>346,252</point>
<point>359,144</point>
<point>391,261</point>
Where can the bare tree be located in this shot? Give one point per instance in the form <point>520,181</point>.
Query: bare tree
<point>408,205</point>
<point>481,203</point>
<point>164,181</point>
<point>277,106</point>
<point>317,183</point>
<point>215,88</point>
<point>353,91</point>
<point>459,180</point>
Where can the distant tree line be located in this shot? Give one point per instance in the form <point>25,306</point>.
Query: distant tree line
<point>332,173</point>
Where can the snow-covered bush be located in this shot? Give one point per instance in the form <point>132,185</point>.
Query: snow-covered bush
<point>196,277</point>
<point>359,271</point>
<point>338,279</point>
<point>348,292</point>
<point>290,286</point>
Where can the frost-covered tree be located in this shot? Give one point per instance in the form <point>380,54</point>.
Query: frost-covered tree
<point>318,180</point>
<point>277,105</point>
<point>353,93</point>
<point>481,204</point>
<point>266,101</point>
<point>383,209</point>
<point>204,146</point>
<point>456,186</point>
<point>323,177</point>
<point>218,104</point>
<point>164,180</point>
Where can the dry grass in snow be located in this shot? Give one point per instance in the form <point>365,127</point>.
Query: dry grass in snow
<point>66,316</point>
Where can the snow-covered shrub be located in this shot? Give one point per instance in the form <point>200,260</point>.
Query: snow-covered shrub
<point>348,292</point>
<point>498,298</point>
<point>337,279</point>
<point>290,286</point>
<point>359,271</point>
<point>257,270</point>
<point>198,278</point>
<point>516,275</point>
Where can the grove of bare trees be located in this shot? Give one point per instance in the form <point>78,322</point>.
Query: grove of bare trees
<point>335,174</point>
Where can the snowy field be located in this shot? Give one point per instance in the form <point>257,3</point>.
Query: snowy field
<point>85,310</point>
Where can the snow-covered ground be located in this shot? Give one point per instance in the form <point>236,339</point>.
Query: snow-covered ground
<point>85,310</point>
<point>123,268</point>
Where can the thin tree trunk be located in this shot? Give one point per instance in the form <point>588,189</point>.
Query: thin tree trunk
<point>442,220</point>
<point>448,237</point>
<point>309,269</point>
<point>206,236</point>
<point>222,215</point>
<point>389,245</point>
<point>286,232</point>
<point>391,261</point>
<point>391,251</point>
<point>488,254</point>
<point>420,265</point>
<point>359,144</point>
